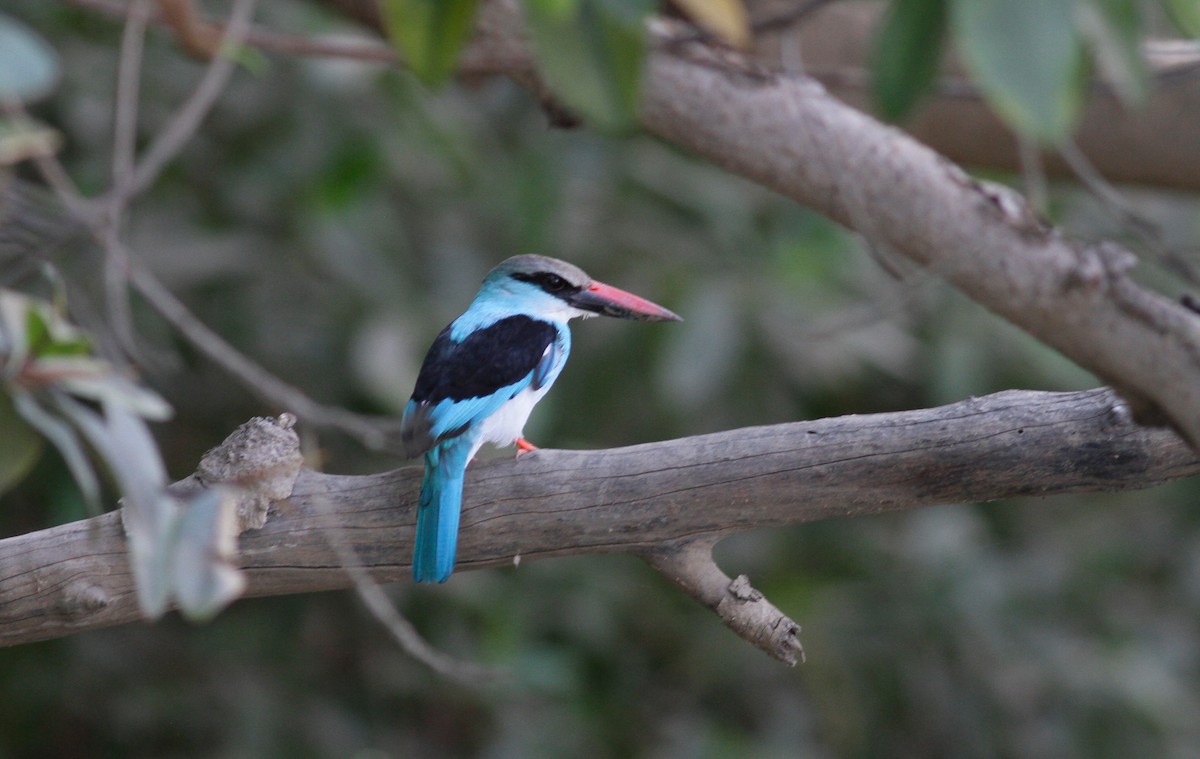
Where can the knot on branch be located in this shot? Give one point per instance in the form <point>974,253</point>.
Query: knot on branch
<point>81,598</point>
<point>260,461</point>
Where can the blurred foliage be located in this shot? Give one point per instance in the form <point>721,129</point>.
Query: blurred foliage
<point>1185,14</point>
<point>331,217</point>
<point>590,54</point>
<point>908,55</point>
<point>1028,57</point>
<point>29,67</point>
<point>1033,60</point>
<point>430,34</point>
<point>54,388</point>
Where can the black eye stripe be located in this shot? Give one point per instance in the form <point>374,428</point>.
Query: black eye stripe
<point>548,281</point>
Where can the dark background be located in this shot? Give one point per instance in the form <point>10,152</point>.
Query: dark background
<point>331,217</point>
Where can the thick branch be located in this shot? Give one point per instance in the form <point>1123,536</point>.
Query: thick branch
<point>789,134</point>
<point>554,503</point>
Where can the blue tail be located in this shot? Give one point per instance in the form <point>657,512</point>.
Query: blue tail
<point>439,509</point>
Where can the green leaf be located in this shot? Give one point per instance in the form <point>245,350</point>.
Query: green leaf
<point>590,53</point>
<point>430,34</point>
<point>1113,30</point>
<point>31,328</point>
<point>49,334</point>
<point>1185,14</point>
<point>29,67</point>
<point>20,446</point>
<point>37,341</point>
<point>1027,57</point>
<point>907,54</point>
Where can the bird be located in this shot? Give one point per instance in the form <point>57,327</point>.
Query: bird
<point>484,374</point>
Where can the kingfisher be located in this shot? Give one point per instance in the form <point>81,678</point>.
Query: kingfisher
<point>484,374</point>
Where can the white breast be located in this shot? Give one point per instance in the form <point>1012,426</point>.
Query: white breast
<point>508,423</point>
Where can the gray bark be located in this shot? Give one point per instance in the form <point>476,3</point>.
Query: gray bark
<point>667,502</point>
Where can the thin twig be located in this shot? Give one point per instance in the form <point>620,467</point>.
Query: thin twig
<point>1096,184</point>
<point>125,122</point>
<point>183,125</point>
<point>371,433</point>
<point>272,42</point>
<point>322,48</point>
<point>125,116</point>
<point>260,381</point>
<point>1033,173</point>
<point>50,168</point>
<point>1124,213</point>
<point>386,613</point>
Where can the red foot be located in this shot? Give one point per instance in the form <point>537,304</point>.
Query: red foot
<point>524,446</point>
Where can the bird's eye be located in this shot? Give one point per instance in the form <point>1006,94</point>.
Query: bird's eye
<point>553,283</point>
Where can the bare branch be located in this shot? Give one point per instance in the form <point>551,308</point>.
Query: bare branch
<point>259,38</point>
<point>198,38</point>
<point>636,500</point>
<point>129,74</point>
<point>788,134</point>
<point>186,121</point>
<point>253,376</point>
<point>373,433</point>
<point>742,608</point>
<point>125,122</point>
<point>384,610</point>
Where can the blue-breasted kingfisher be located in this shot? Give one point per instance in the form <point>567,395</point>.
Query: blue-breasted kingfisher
<point>484,374</point>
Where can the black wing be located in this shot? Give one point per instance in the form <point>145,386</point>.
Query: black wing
<point>485,361</point>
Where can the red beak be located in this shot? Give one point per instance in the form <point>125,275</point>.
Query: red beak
<point>612,301</point>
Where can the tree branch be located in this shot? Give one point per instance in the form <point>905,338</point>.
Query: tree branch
<point>668,502</point>
<point>789,134</point>
<point>648,500</point>
<point>743,609</point>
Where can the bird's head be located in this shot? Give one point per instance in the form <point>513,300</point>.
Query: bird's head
<point>552,287</point>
